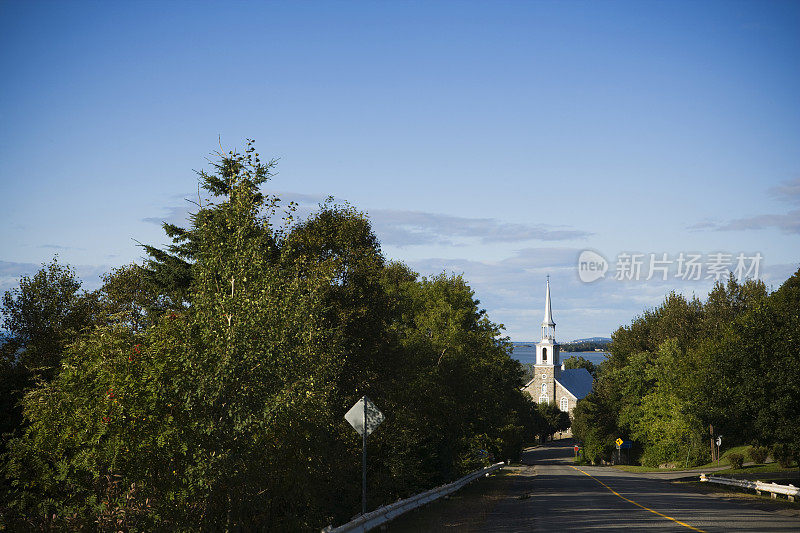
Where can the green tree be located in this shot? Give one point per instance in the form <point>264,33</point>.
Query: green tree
<point>127,297</point>
<point>574,361</point>
<point>42,315</point>
<point>459,399</point>
<point>180,423</point>
<point>529,371</point>
<point>663,421</point>
<point>551,420</point>
<point>594,425</point>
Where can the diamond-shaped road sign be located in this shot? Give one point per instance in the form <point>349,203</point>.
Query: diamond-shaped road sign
<point>364,409</point>
<point>619,441</point>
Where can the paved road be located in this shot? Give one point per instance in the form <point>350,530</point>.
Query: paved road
<point>549,494</point>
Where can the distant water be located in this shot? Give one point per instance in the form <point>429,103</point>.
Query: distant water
<point>525,352</point>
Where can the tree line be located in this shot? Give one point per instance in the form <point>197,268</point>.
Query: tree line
<point>584,346</point>
<point>731,362</point>
<point>205,388</point>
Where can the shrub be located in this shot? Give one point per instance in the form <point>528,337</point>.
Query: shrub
<point>582,461</point>
<point>782,454</point>
<point>736,460</point>
<point>511,442</point>
<point>758,454</point>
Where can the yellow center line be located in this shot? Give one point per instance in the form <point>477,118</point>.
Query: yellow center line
<point>638,504</point>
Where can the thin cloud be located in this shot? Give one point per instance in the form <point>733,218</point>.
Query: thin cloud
<point>408,228</point>
<point>704,225</point>
<point>178,215</point>
<point>788,191</point>
<point>514,282</point>
<point>59,247</point>
<point>512,291</point>
<point>11,272</point>
<point>788,223</point>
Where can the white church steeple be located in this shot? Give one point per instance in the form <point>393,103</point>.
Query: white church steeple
<point>548,326</point>
<point>547,350</point>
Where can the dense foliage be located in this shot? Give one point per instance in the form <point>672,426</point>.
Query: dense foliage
<point>207,390</point>
<point>577,361</point>
<point>584,346</point>
<point>550,419</point>
<point>732,361</point>
<point>39,318</point>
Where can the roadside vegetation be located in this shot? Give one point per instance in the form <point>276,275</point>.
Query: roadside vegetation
<point>726,463</point>
<point>205,389</point>
<point>731,362</point>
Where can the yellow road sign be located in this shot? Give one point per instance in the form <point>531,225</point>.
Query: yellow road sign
<point>619,441</point>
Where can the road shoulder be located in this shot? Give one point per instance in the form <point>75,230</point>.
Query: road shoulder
<point>468,509</point>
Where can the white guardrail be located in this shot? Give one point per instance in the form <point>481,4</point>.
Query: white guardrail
<point>387,513</point>
<point>759,486</point>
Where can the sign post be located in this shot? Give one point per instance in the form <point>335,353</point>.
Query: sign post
<point>713,449</point>
<point>626,445</point>
<point>364,416</point>
<point>623,445</point>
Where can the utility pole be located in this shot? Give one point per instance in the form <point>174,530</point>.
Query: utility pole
<point>713,448</point>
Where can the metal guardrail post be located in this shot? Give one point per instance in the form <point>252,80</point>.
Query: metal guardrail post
<point>389,512</point>
<point>773,489</point>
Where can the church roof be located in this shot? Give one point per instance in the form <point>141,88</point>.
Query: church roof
<point>548,314</point>
<point>578,381</point>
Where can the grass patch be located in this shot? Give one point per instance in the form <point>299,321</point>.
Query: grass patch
<point>768,468</point>
<point>640,468</point>
<point>743,450</point>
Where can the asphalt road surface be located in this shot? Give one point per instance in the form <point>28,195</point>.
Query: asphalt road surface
<point>549,494</point>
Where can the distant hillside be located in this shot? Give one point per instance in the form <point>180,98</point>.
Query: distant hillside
<point>589,344</point>
<point>603,340</point>
<point>586,345</point>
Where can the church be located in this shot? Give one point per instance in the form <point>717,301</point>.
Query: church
<point>552,382</point>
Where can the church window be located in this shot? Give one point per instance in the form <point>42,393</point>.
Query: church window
<point>544,355</point>
<point>544,388</point>
<point>564,403</point>
<point>543,398</point>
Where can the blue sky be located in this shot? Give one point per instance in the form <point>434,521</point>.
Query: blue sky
<point>493,139</point>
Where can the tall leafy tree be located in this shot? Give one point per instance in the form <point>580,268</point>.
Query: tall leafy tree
<point>42,315</point>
